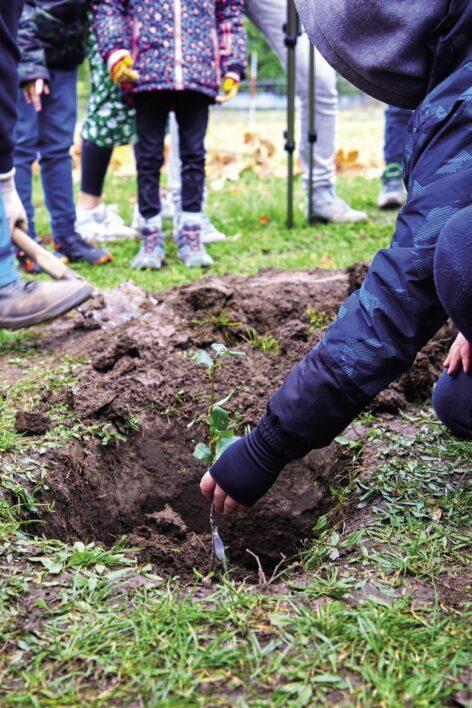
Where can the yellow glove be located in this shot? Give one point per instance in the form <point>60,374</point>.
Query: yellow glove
<point>120,66</point>
<point>231,83</point>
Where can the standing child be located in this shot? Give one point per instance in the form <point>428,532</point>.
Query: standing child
<point>172,56</point>
<point>52,43</point>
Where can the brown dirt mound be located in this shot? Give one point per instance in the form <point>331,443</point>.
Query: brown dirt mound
<point>142,372</point>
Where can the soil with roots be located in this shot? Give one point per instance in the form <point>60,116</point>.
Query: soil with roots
<point>143,382</point>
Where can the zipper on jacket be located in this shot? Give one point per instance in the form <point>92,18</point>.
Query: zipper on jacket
<point>179,74</point>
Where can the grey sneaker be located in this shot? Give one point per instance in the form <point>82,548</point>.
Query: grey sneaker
<point>189,242</point>
<point>392,195</point>
<point>151,254</point>
<point>27,304</point>
<point>329,208</point>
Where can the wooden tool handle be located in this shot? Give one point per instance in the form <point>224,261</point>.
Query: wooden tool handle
<point>46,261</point>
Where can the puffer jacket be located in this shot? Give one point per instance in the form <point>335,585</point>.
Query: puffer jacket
<point>52,35</point>
<point>177,45</point>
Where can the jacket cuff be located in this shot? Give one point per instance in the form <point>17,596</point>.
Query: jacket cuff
<point>34,73</point>
<point>6,163</point>
<point>235,68</point>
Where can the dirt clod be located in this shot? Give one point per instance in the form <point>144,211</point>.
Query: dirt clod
<point>31,423</point>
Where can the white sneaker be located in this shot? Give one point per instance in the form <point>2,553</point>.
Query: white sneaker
<point>329,208</point>
<point>210,234</point>
<point>102,224</point>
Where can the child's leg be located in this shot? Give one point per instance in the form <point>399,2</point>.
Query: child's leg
<point>94,163</point>
<point>26,152</point>
<point>192,112</point>
<point>452,400</point>
<point>56,127</point>
<point>453,270</point>
<point>152,111</point>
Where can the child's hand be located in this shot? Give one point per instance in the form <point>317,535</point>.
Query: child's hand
<point>243,474</point>
<point>33,91</point>
<point>231,83</point>
<point>460,354</point>
<point>222,501</point>
<point>120,65</point>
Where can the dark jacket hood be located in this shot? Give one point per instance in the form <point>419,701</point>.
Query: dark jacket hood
<point>394,50</point>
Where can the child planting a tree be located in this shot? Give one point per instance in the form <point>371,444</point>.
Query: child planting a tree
<point>172,56</point>
<point>413,55</point>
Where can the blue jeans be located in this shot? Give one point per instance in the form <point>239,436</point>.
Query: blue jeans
<point>48,135</point>
<point>396,129</point>
<point>8,269</point>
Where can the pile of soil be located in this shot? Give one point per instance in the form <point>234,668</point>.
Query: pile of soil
<point>144,383</point>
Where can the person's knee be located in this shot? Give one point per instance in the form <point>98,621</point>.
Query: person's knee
<point>452,401</point>
<point>453,269</point>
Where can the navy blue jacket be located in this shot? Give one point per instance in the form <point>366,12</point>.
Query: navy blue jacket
<point>52,35</point>
<point>381,327</point>
<point>10,11</point>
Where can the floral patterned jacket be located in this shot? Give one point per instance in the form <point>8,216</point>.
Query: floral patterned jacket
<point>177,45</point>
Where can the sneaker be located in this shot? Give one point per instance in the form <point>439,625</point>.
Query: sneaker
<point>26,304</point>
<point>102,224</point>
<point>210,234</point>
<point>329,208</point>
<point>79,251</point>
<point>392,195</point>
<point>27,264</point>
<point>189,241</point>
<point>151,254</point>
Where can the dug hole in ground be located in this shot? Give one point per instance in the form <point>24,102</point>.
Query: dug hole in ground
<point>144,386</point>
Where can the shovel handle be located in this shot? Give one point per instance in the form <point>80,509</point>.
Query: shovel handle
<point>46,261</point>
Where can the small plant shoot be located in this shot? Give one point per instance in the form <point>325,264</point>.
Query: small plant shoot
<point>221,432</point>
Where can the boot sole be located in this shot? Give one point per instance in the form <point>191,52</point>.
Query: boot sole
<point>50,313</point>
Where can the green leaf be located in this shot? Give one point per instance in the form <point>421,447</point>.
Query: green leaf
<point>202,357</point>
<point>223,444</point>
<point>219,349</point>
<point>203,453</point>
<point>219,419</point>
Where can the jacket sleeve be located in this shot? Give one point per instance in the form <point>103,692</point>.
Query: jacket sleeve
<point>110,26</point>
<point>232,38</point>
<point>381,327</point>
<point>33,59</point>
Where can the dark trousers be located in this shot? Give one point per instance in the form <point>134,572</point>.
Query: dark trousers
<point>94,166</point>
<point>152,111</point>
<point>453,276</point>
<point>396,130</point>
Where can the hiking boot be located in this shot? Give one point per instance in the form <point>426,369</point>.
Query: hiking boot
<point>151,254</point>
<point>392,195</point>
<point>329,208</point>
<point>23,304</point>
<point>189,241</point>
<point>77,250</point>
<point>102,224</point>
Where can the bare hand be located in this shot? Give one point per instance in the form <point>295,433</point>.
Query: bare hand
<point>33,91</point>
<point>222,501</point>
<point>460,355</point>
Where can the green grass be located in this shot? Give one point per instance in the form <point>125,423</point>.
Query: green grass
<point>81,624</point>
<point>253,243</point>
<point>367,618</point>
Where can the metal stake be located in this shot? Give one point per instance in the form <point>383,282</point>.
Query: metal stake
<point>311,131</point>
<point>291,30</point>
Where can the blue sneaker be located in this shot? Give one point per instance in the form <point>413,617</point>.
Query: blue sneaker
<point>189,241</point>
<point>76,250</point>
<point>151,254</point>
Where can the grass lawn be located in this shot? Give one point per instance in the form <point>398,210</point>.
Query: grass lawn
<point>376,615</point>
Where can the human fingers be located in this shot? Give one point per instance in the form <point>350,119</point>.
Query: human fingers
<point>455,363</point>
<point>207,486</point>
<point>466,355</point>
<point>230,505</point>
<point>219,497</point>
